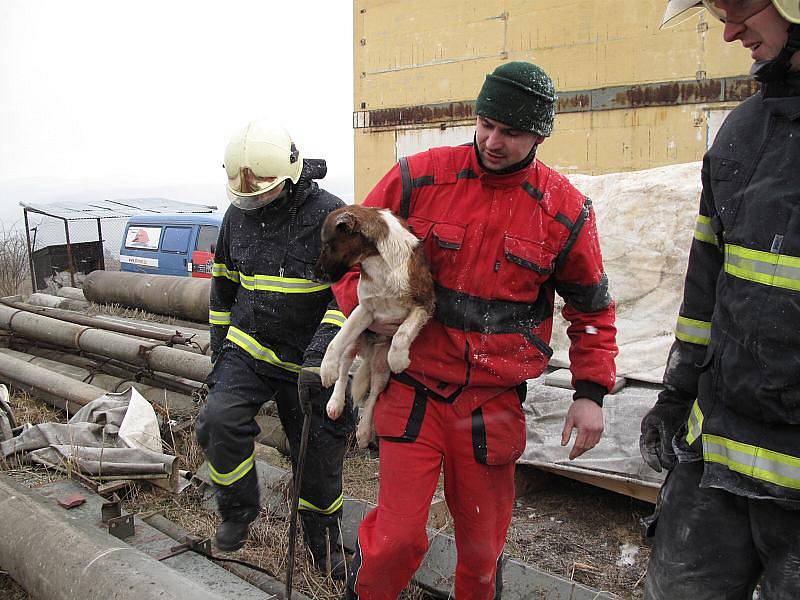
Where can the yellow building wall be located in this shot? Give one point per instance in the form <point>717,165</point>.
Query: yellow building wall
<point>417,52</point>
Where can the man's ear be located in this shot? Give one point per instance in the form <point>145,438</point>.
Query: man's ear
<point>347,222</point>
<point>539,139</point>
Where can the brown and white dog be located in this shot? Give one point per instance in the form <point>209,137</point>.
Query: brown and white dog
<point>395,287</point>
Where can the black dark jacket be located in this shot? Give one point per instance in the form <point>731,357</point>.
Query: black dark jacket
<point>738,335</point>
<point>264,300</point>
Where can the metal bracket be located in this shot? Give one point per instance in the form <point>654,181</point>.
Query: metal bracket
<point>121,527</point>
<point>111,509</point>
<point>194,544</point>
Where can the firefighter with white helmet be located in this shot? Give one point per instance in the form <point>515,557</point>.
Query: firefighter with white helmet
<point>270,325</point>
<point>727,425</point>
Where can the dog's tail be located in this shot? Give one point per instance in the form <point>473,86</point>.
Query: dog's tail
<point>360,385</point>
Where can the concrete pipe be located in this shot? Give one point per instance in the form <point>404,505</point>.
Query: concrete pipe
<point>55,389</point>
<point>55,557</point>
<point>71,292</point>
<point>105,343</point>
<point>185,297</point>
<point>151,333</point>
<point>111,367</point>
<point>172,401</point>
<point>50,301</point>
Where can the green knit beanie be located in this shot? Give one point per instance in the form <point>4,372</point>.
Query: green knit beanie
<point>519,94</point>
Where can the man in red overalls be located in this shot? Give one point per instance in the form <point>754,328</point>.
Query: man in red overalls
<point>502,233</point>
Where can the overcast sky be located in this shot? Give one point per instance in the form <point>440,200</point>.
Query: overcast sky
<point>115,98</point>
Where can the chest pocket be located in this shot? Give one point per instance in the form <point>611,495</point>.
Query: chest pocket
<point>443,243</point>
<point>727,177</point>
<point>528,264</point>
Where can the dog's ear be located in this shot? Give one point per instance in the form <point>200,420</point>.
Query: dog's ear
<point>347,222</point>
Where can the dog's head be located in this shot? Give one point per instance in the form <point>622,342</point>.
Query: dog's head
<point>349,235</point>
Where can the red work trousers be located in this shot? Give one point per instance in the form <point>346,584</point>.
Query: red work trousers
<point>392,537</point>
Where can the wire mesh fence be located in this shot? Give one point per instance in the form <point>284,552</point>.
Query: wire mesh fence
<point>63,252</point>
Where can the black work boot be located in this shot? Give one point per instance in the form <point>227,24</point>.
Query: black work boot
<point>231,535</point>
<point>321,535</point>
<point>238,506</point>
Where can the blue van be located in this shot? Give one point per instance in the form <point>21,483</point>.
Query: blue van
<point>181,244</point>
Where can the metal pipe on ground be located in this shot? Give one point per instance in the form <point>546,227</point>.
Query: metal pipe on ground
<point>185,297</point>
<point>55,389</point>
<point>105,343</point>
<point>170,401</point>
<point>109,366</point>
<point>58,558</point>
<point>68,316</point>
<point>50,301</point>
<point>260,580</point>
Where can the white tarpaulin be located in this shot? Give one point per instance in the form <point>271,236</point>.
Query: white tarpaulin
<point>646,221</point>
<point>115,436</point>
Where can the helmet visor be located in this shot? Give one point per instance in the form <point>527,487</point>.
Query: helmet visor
<point>679,11</point>
<point>737,13</point>
<point>245,183</point>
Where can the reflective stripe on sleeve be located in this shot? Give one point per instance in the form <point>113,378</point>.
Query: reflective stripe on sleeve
<point>703,231</point>
<point>233,476</point>
<point>335,505</point>
<point>693,331</point>
<point>221,270</point>
<point>219,317</point>
<point>776,270</point>
<point>753,461</point>
<point>695,423</point>
<point>334,317</point>
<point>258,351</point>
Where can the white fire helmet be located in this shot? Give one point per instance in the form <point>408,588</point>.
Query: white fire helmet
<point>677,10</point>
<point>258,160</point>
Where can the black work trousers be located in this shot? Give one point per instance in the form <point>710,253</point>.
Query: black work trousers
<point>711,544</point>
<point>226,429</point>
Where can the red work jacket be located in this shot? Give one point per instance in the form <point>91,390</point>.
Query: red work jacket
<point>499,246</point>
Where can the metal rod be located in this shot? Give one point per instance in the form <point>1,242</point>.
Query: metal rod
<point>30,251</point>
<point>69,254</point>
<point>102,247</point>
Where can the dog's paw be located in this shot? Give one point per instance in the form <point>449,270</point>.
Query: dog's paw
<point>335,407</point>
<point>398,359</point>
<point>328,371</point>
<point>364,433</point>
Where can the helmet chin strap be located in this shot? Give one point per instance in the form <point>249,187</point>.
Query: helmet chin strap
<point>778,68</point>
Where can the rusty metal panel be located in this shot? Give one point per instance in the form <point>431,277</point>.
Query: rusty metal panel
<point>665,93</point>
<point>739,88</point>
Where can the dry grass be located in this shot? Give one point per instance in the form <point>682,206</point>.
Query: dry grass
<point>117,310</point>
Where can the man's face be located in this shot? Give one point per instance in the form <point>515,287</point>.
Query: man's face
<point>501,146</point>
<point>756,24</point>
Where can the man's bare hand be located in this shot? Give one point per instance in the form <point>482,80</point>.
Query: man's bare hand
<point>387,328</point>
<point>587,417</point>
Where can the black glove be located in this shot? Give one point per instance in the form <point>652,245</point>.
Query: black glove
<point>309,388</point>
<point>659,426</point>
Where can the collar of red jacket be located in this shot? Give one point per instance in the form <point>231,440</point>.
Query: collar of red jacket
<point>512,179</point>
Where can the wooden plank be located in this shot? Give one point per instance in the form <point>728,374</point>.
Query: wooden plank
<point>647,492</point>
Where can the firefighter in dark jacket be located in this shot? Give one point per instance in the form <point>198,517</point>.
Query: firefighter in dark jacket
<point>727,424</point>
<point>270,320</point>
